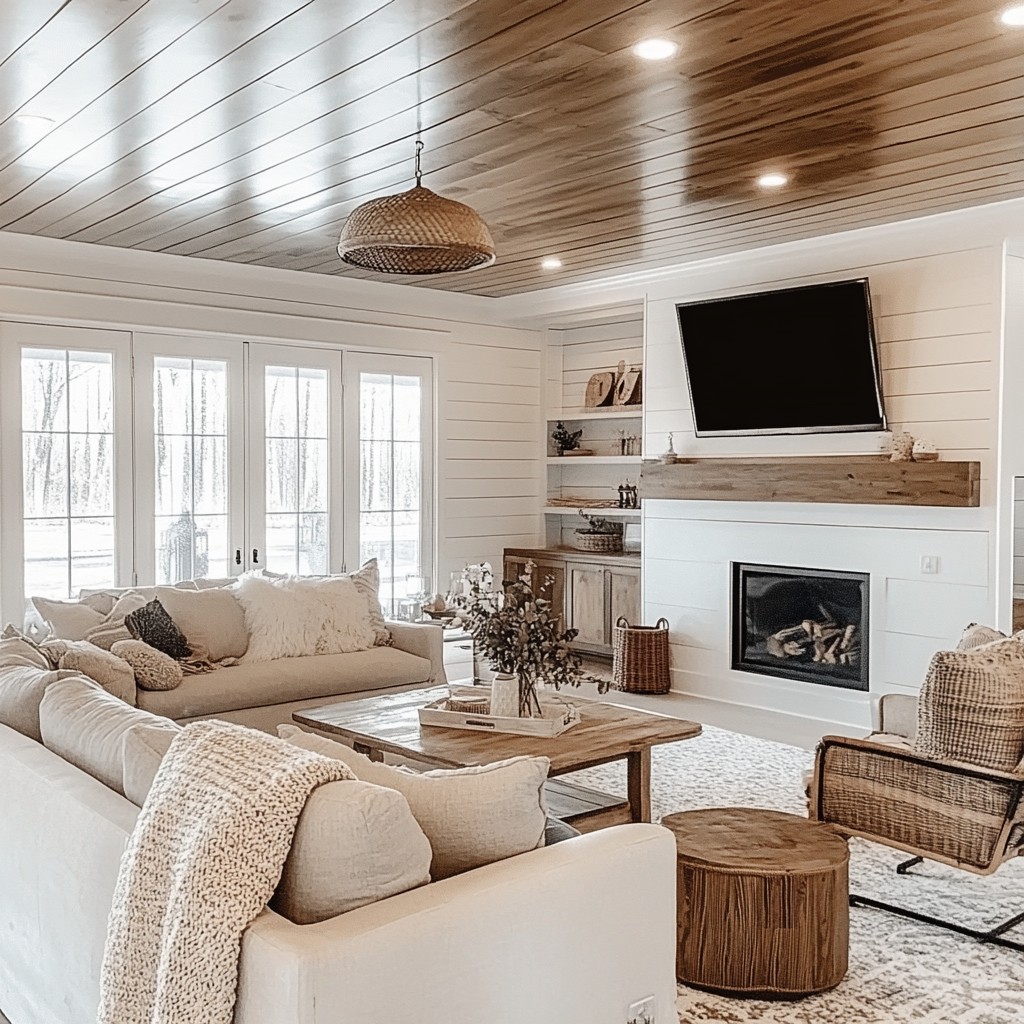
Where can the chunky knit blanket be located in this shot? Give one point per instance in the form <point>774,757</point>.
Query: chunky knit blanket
<point>204,859</point>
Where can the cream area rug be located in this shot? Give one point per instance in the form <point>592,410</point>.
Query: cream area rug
<point>900,971</point>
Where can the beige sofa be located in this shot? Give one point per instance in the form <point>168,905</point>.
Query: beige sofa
<point>570,934</point>
<point>263,695</point>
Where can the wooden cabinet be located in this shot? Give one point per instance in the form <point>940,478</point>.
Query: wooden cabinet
<point>591,591</point>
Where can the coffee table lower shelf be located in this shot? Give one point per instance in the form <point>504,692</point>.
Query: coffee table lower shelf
<point>587,810</point>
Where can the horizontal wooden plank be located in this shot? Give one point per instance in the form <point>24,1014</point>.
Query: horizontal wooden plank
<point>845,480</point>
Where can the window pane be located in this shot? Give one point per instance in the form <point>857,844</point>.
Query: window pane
<point>282,401</point>
<point>408,410</point>
<point>92,474</point>
<point>44,474</point>
<point>375,476</point>
<point>44,390</point>
<point>90,392</point>
<point>375,542</point>
<point>314,403</point>
<point>190,416</point>
<point>407,476</point>
<point>282,475</point>
<point>313,471</point>
<point>92,561</point>
<point>375,406</point>
<point>46,558</point>
<point>282,543</point>
<point>313,544</point>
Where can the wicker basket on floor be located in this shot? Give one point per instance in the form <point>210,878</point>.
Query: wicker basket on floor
<point>641,657</point>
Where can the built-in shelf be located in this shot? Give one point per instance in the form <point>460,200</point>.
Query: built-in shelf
<point>603,513</point>
<point>843,479</point>
<point>612,412</point>
<point>594,460</point>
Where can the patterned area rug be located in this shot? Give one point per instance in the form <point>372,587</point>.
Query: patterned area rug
<point>900,971</point>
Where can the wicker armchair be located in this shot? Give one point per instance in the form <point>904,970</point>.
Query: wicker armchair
<point>879,789</point>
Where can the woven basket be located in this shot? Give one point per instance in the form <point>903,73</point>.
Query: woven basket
<point>640,662</point>
<point>603,542</point>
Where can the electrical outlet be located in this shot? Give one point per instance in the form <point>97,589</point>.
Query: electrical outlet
<point>930,564</point>
<point>642,1011</point>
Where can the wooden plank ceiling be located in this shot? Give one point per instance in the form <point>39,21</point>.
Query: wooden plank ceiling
<point>247,130</point>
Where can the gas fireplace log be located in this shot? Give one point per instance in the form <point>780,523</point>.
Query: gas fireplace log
<point>823,642</point>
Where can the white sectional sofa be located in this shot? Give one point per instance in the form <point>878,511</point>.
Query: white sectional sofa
<point>569,934</point>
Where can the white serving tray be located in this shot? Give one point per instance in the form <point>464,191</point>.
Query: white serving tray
<point>556,719</point>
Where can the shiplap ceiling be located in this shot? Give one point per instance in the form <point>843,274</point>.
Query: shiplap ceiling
<point>247,130</point>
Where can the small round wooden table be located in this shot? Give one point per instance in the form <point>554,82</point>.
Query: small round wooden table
<point>763,902</point>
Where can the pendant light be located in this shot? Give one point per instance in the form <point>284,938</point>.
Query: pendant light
<point>416,232</point>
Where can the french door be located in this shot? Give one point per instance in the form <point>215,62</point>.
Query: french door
<point>295,478</point>
<point>189,458</point>
<point>66,462</point>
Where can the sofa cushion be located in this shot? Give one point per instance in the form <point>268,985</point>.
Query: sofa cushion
<point>112,673</point>
<point>367,581</point>
<point>472,816</point>
<point>971,706</point>
<point>112,628</point>
<point>152,669</point>
<point>212,620</point>
<point>20,650</point>
<point>21,692</point>
<point>355,843</point>
<point>290,679</point>
<point>85,725</point>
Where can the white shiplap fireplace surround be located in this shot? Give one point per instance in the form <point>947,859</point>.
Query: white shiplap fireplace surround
<point>948,343</point>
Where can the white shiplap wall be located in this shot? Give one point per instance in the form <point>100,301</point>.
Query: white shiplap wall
<point>489,386</point>
<point>937,318</point>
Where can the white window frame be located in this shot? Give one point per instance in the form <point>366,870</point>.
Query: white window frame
<point>423,367</point>
<point>260,357</point>
<point>146,349</point>
<point>14,337</point>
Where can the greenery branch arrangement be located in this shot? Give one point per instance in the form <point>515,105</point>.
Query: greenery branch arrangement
<point>519,633</point>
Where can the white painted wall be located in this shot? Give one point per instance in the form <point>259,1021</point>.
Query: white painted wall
<point>489,375</point>
<point>937,290</point>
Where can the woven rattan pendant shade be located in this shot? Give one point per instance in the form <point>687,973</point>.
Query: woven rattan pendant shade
<point>416,232</point>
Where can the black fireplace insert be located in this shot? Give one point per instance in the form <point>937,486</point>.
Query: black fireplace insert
<point>798,623</point>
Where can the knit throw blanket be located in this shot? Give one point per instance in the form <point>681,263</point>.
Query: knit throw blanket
<point>204,859</point>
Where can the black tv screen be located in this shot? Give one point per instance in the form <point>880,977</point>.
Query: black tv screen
<point>793,361</point>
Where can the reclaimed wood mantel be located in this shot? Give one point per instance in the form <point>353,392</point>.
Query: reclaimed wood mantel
<point>843,479</point>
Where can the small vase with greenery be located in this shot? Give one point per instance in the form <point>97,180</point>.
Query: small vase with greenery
<point>520,634</point>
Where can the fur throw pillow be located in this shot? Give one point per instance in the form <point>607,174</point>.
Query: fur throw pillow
<point>152,625</point>
<point>293,616</point>
<point>153,669</point>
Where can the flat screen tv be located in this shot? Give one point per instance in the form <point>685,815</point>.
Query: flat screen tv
<point>792,361</point>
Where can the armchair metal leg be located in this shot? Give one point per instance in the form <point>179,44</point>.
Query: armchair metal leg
<point>992,937</point>
<point>902,869</point>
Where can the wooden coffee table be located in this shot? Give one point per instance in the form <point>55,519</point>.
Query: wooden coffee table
<point>606,732</point>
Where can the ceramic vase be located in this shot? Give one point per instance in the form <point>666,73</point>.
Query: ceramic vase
<point>505,695</point>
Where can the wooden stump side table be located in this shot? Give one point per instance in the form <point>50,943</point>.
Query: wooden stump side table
<point>763,902</point>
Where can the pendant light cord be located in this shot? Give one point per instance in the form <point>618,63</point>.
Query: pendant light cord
<point>419,172</point>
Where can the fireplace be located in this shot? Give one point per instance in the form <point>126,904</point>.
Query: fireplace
<point>809,624</point>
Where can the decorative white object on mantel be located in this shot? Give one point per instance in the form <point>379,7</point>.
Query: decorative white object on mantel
<point>669,455</point>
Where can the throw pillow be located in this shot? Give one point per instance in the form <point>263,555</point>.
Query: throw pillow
<point>152,625</point>
<point>292,617</point>
<point>971,706</point>
<point>112,628</point>
<point>152,669</point>
<point>976,635</point>
<point>472,816</point>
<point>212,620</point>
<point>355,843</point>
<point>19,650</point>
<point>71,620</point>
<point>112,673</point>
<point>367,581</point>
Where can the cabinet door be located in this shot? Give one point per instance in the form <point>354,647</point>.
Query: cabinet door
<point>587,608</point>
<point>624,596</point>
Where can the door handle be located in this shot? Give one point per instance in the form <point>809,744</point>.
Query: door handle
<point>238,556</point>
<point>255,556</point>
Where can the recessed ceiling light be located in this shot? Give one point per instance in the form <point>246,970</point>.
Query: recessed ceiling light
<point>551,263</point>
<point>1013,16</point>
<point>656,49</point>
<point>36,122</point>
<point>773,180</point>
